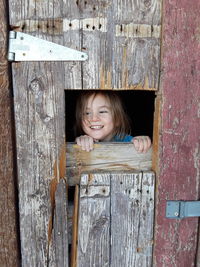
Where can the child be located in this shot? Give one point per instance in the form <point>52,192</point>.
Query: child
<point>100,117</point>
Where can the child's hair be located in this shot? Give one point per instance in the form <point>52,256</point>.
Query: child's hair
<point>120,118</point>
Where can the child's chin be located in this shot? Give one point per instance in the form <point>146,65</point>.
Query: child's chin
<point>97,137</point>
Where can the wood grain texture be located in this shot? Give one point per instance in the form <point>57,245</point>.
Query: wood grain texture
<point>60,226</point>
<point>176,240</point>
<point>39,117</point>
<point>121,38</point>
<point>94,221</point>
<point>75,228</point>
<point>105,156</point>
<point>8,208</point>
<point>40,135</point>
<point>116,219</point>
<point>132,212</point>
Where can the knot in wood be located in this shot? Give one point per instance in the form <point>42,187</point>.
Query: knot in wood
<point>35,85</point>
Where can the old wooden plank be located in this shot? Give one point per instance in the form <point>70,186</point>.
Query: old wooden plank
<point>36,10</point>
<point>72,33</point>
<point>39,117</point>
<point>40,134</point>
<point>105,156</point>
<point>146,225</point>
<point>125,218</point>
<point>138,11</point>
<point>132,197</point>
<point>9,246</point>
<point>94,221</point>
<point>75,228</point>
<point>98,41</point>
<point>60,226</point>
<point>136,64</point>
<point>129,201</point>
<point>126,54</point>
<point>178,174</point>
<point>136,47</point>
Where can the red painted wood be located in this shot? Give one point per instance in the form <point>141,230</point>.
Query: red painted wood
<point>179,166</point>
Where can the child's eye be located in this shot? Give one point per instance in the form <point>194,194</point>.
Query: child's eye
<point>87,113</point>
<point>103,111</point>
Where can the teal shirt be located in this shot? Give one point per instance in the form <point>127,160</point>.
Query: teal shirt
<point>126,139</point>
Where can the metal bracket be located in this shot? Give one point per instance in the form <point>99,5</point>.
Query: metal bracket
<point>24,47</point>
<point>182,209</point>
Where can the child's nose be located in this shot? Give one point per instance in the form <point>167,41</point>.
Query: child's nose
<point>95,117</point>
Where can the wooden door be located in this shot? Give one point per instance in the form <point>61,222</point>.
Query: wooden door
<point>124,53</point>
<point>116,213</point>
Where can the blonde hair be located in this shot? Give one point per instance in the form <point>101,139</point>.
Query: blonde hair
<point>120,118</point>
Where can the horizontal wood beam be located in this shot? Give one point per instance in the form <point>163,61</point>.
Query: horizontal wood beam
<point>105,156</point>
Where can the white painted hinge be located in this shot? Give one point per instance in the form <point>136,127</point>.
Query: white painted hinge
<point>24,47</point>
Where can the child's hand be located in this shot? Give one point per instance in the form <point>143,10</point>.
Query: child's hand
<point>142,143</point>
<point>85,142</point>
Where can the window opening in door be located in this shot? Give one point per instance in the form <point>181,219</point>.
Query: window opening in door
<point>139,106</point>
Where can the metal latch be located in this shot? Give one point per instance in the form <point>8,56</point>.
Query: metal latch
<point>24,47</point>
<point>182,209</point>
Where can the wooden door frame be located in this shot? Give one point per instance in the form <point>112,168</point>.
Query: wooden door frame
<point>9,253</point>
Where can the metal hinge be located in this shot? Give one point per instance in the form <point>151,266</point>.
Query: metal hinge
<point>24,47</point>
<point>182,209</point>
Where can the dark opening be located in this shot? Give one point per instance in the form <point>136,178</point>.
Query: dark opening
<point>138,104</point>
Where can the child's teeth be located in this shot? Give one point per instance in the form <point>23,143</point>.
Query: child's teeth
<point>96,127</point>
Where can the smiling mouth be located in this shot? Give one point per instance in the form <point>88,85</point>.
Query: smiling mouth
<point>96,127</point>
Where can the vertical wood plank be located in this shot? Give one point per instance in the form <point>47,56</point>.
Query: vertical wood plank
<point>40,133</point>
<point>131,210</point>
<point>132,213</point>
<point>39,117</point>
<point>94,221</point>
<point>136,44</point>
<point>9,246</point>
<point>60,228</point>
<point>72,32</point>
<point>75,228</point>
<point>98,34</point>
<point>178,174</point>
<point>144,255</point>
<point>125,218</point>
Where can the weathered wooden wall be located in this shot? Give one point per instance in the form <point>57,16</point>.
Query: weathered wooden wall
<point>179,167</point>
<point>121,38</point>
<point>109,35</point>
<point>9,247</point>
<point>116,213</point>
<point>39,120</point>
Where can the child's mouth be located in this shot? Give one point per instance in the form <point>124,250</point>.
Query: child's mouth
<point>96,127</point>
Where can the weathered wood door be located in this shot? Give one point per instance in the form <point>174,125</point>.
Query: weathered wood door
<point>116,213</point>
<point>122,39</point>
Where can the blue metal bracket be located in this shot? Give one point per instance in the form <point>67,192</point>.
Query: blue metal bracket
<point>182,209</point>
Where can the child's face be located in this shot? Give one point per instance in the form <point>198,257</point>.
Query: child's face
<point>97,119</point>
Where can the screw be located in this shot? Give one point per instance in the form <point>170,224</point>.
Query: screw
<point>176,214</point>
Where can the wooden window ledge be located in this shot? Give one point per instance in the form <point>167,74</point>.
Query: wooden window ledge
<point>105,157</point>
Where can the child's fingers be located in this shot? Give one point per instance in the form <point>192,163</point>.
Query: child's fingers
<point>88,143</point>
<point>142,143</point>
<point>136,143</point>
<point>146,144</point>
<point>85,142</point>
